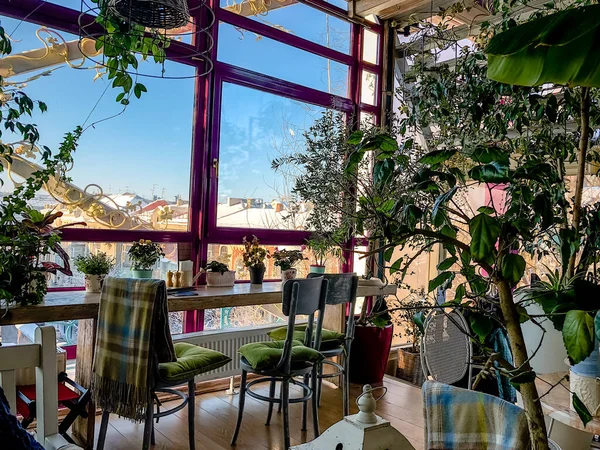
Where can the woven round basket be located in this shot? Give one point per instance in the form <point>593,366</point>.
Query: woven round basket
<point>409,367</point>
<point>165,14</point>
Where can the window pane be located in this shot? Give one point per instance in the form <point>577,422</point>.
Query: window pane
<point>245,49</point>
<point>297,19</point>
<point>243,316</point>
<point>132,168</point>
<point>370,47</point>
<point>232,256</point>
<point>368,88</point>
<point>257,127</point>
<point>118,251</point>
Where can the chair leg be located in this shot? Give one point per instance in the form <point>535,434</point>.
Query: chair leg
<point>148,425</point>
<point>103,428</point>
<point>346,385</point>
<point>240,407</point>
<point>191,411</point>
<point>272,395</point>
<point>304,404</point>
<point>285,400</point>
<point>280,399</point>
<point>315,408</point>
<point>319,384</point>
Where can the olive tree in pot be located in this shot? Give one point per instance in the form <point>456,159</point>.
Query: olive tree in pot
<point>95,267</point>
<point>471,148</point>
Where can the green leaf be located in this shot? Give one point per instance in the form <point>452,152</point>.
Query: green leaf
<point>523,315</point>
<point>436,212</point>
<point>447,263</point>
<point>387,255</point>
<point>490,173</point>
<point>439,280</point>
<point>481,325</point>
<point>486,210</point>
<point>597,325</point>
<point>484,231</point>
<point>419,320</point>
<point>484,154</point>
<point>581,410</point>
<point>513,268</point>
<point>355,137</point>
<point>383,171</point>
<point>460,293</point>
<point>395,267</point>
<point>524,377</point>
<point>578,335</point>
<point>437,157</point>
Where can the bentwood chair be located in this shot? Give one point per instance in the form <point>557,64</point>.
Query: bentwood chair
<point>191,360</point>
<point>286,360</point>
<point>341,290</point>
<point>446,348</point>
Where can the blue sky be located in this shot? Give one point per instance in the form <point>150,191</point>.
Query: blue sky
<point>148,147</point>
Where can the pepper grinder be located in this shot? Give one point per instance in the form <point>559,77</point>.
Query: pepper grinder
<point>178,278</point>
<point>169,279</point>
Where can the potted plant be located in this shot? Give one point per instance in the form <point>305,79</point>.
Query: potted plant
<point>254,259</point>
<point>323,246</point>
<point>372,342</point>
<point>219,275</point>
<point>144,254</point>
<point>95,266</point>
<point>285,260</point>
<point>409,320</point>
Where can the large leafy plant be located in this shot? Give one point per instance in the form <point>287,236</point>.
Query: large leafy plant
<point>496,138</point>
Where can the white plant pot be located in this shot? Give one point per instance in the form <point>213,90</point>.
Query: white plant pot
<point>289,274</point>
<point>93,283</point>
<point>216,279</point>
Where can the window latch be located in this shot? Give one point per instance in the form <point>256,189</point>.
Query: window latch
<point>215,164</point>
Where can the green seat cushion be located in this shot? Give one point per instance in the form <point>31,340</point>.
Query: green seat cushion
<point>191,361</point>
<point>329,339</point>
<point>266,355</point>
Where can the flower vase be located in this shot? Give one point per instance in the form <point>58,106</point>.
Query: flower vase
<point>288,274</point>
<point>257,274</point>
<point>141,273</point>
<point>317,269</point>
<point>93,283</point>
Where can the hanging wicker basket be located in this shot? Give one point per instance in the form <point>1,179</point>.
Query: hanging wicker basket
<point>163,14</point>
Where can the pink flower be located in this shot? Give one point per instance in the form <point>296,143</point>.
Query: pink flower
<point>302,247</point>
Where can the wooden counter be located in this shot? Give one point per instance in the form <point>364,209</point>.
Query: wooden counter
<point>76,305</point>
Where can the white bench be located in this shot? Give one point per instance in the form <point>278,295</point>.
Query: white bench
<point>42,356</point>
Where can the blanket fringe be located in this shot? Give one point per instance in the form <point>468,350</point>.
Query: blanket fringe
<point>123,399</point>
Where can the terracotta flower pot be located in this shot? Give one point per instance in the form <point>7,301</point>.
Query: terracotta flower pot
<point>93,283</point>
<point>369,353</point>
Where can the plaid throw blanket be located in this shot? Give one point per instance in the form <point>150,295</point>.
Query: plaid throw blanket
<point>458,419</point>
<point>133,335</point>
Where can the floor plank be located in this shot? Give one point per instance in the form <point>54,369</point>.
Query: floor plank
<point>216,415</point>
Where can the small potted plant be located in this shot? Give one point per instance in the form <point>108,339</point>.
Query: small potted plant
<point>254,259</point>
<point>322,247</point>
<point>285,260</point>
<point>219,275</point>
<point>144,254</point>
<point>95,267</point>
<point>409,320</point>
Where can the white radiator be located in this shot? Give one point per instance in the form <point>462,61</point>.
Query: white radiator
<point>226,341</point>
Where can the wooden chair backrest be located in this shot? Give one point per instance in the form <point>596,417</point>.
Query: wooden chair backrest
<point>42,356</point>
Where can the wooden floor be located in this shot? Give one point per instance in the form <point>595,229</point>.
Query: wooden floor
<point>216,414</point>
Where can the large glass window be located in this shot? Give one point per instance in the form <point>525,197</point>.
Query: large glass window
<point>131,169</point>
<point>296,19</point>
<point>254,52</point>
<point>257,127</point>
